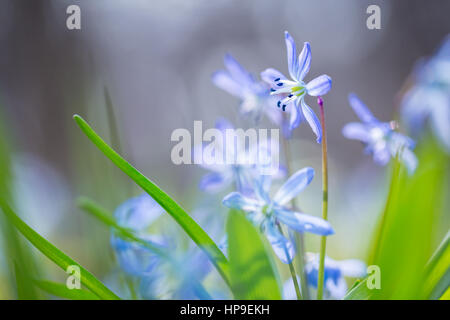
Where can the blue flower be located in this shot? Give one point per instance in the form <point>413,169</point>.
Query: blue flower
<point>293,91</point>
<point>179,279</point>
<point>429,97</point>
<point>335,271</point>
<point>254,95</point>
<point>134,258</point>
<point>172,275</point>
<point>137,214</point>
<point>379,137</point>
<point>244,164</point>
<point>268,214</point>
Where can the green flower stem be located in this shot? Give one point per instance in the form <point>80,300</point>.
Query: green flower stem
<point>323,242</point>
<point>299,238</point>
<point>292,271</point>
<point>300,245</point>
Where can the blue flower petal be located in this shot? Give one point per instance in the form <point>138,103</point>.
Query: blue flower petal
<point>440,122</point>
<point>294,185</point>
<point>381,156</point>
<point>409,159</point>
<point>224,81</point>
<point>304,61</point>
<point>214,182</point>
<point>319,86</point>
<point>283,247</point>
<point>237,72</point>
<point>269,75</point>
<point>312,120</point>
<point>303,222</point>
<point>356,131</point>
<point>296,117</point>
<point>134,258</point>
<point>289,289</point>
<point>291,55</point>
<point>235,200</point>
<point>361,109</point>
<point>415,109</point>
<point>352,268</point>
<point>223,124</point>
<point>336,288</point>
<point>138,213</point>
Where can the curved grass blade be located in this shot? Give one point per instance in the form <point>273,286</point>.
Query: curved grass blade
<point>25,289</point>
<point>56,255</point>
<point>359,291</point>
<point>442,253</point>
<point>102,214</point>
<point>252,273</point>
<point>446,295</point>
<point>195,232</point>
<point>16,250</point>
<point>437,271</point>
<point>61,290</point>
<point>403,244</point>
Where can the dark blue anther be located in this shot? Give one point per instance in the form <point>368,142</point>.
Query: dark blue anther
<point>279,104</point>
<point>290,96</point>
<point>279,84</point>
<point>277,79</point>
<point>284,107</point>
<point>272,90</point>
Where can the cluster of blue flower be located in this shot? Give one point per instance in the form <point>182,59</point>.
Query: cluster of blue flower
<point>275,97</point>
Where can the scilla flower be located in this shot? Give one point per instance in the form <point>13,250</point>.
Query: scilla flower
<point>293,90</point>
<point>335,271</point>
<point>379,138</point>
<point>181,279</point>
<point>268,214</point>
<point>137,214</point>
<point>429,98</point>
<point>254,95</point>
<point>244,164</point>
<point>172,275</point>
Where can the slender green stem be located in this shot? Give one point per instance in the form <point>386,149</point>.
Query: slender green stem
<point>294,280</point>
<point>131,288</point>
<point>300,245</point>
<point>299,238</point>
<point>292,271</point>
<point>323,242</point>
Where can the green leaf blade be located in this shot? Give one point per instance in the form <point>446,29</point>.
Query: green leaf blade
<point>359,291</point>
<point>404,240</point>
<point>100,213</point>
<point>56,255</point>
<point>437,273</point>
<point>252,273</point>
<point>61,290</point>
<point>194,231</point>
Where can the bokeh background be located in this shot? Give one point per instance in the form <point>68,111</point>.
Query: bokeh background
<point>150,63</point>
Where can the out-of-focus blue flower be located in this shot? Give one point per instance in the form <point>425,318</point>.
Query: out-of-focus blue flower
<point>134,258</point>
<point>379,137</point>
<point>137,214</point>
<point>244,166</point>
<point>169,276</point>
<point>335,271</point>
<point>179,279</point>
<point>293,91</point>
<point>268,214</point>
<point>254,95</point>
<point>429,98</point>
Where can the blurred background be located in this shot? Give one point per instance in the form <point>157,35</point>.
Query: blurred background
<point>149,64</point>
